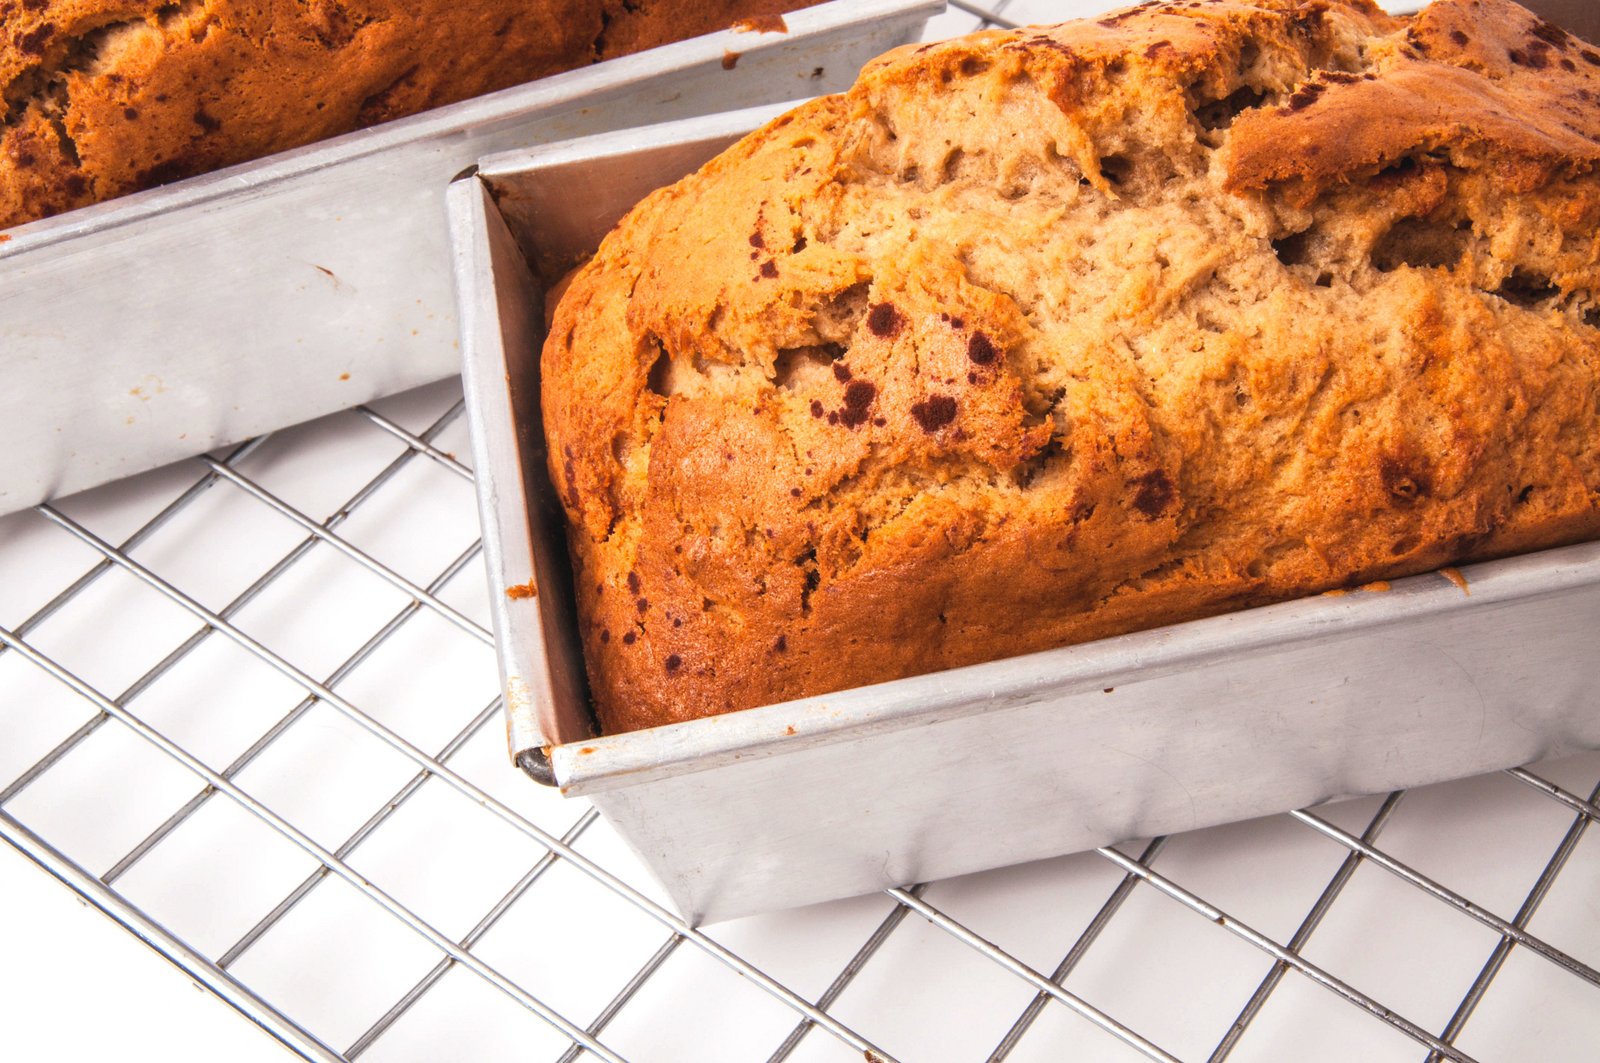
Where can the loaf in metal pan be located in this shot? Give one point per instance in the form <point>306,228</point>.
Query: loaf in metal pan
<point>1047,335</point>
<point>106,97</point>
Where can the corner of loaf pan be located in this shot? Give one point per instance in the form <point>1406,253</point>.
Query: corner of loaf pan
<point>168,322</point>
<point>1367,688</point>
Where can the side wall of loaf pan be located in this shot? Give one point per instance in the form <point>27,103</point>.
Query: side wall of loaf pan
<point>1173,729</point>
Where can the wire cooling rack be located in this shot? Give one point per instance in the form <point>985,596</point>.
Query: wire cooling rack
<point>248,709</point>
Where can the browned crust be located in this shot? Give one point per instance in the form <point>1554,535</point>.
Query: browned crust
<point>1519,96</point>
<point>1041,336</point>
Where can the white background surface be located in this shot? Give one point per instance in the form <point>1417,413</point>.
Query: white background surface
<point>75,986</point>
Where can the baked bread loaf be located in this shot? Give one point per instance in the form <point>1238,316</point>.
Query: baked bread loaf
<point>1042,336</point>
<point>106,97</point>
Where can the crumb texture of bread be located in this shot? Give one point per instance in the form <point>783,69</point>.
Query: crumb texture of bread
<point>106,97</point>
<point>1047,335</point>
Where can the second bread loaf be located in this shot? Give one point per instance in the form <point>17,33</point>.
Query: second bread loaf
<point>106,97</point>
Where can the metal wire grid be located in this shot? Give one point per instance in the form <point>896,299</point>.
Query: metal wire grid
<point>224,472</point>
<point>581,1035</point>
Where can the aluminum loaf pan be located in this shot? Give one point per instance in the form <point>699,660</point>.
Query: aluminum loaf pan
<point>170,322</point>
<point>1166,730</point>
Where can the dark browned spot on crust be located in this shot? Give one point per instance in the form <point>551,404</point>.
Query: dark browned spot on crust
<point>934,412</point>
<point>605,635</point>
<point>643,604</point>
<point>833,417</point>
<point>1404,485</point>
<point>206,121</point>
<point>782,645</point>
<point>971,66</point>
<point>75,186</point>
<point>857,400</point>
<point>769,269</point>
<point>672,663</point>
<point>794,492</point>
<point>816,408</point>
<point>1460,38</point>
<point>1525,494</point>
<point>33,43</point>
<point>1306,97</point>
<point>1569,66</point>
<point>757,240</point>
<point>884,320</point>
<point>1154,494</point>
<point>629,638</point>
<point>131,113</point>
<point>1551,33</point>
<point>841,372</point>
<point>1157,48</point>
<point>980,349</point>
<point>633,583</point>
<point>799,245</point>
<point>730,60</point>
<point>1592,58</point>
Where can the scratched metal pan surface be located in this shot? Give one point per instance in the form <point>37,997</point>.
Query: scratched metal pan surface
<point>167,323</point>
<point>1020,759</point>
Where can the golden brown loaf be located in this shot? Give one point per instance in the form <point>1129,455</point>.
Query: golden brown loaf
<point>105,97</point>
<point>1042,336</point>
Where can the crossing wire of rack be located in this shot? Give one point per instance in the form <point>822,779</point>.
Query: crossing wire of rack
<point>263,701</point>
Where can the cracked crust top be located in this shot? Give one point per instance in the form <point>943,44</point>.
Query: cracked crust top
<point>106,97</point>
<point>1041,336</point>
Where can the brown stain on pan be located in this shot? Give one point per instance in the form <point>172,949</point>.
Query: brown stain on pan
<point>518,591</point>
